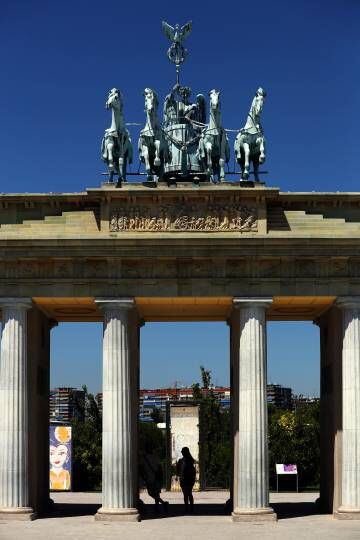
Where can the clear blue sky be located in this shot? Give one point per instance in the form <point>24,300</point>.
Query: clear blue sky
<point>173,352</point>
<point>59,59</point>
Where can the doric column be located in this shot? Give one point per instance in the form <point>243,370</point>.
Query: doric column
<point>350,477</point>
<point>119,496</point>
<point>330,325</point>
<point>251,470</point>
<point>14,416</point>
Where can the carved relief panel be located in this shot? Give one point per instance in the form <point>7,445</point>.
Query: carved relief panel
<point>184,218</point>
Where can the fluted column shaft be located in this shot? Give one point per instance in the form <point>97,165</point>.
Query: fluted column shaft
<point>251,489</point>
<point>350,490</point>
<point>14,418</point>
<point>119,418</point>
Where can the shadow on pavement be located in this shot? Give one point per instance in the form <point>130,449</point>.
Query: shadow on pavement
<point>62,510</point>
<point>148,511</point>
<point>286,510</point>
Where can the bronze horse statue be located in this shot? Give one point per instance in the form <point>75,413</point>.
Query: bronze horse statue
<point>214,150</point>
<point>116,147</point>
<point>250,141</point>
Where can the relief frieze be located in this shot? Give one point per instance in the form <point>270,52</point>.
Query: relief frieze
<point>184,218</point>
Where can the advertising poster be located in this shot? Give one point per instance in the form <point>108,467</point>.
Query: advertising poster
<point>283,468</point>
<point>60,458</point>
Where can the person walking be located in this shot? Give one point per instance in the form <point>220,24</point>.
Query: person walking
<point>152,474</point>
<point>185,469</point>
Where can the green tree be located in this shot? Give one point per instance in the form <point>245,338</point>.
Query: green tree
<point>294,437</point>
<point>215,426</point>
<point>152,439</point>
<point>157,415</point>
<point>87,440</point>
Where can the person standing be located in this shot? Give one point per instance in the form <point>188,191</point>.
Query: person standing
<point>185,469</point>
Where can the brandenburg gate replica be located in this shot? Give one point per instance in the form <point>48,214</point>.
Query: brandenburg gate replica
<point>189,241</point>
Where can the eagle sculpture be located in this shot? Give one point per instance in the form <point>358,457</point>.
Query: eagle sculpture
<point>177,34</point>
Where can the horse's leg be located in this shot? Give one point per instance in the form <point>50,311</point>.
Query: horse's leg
<point>157,161</point>
<point>245,171</point>
<point>262,150</point>
<point>256,161</point>
<point>110,159</point>
<point>124,166</point>
<point>122,172</point>
<point>222,169</point>
<point>209,168</point>
<point>222,159</point>
<point>145,154</point>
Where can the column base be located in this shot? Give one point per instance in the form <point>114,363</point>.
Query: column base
<point>117,514</point>
<point>347,513</point>
<point>254,514</point>
<point>17,514</point>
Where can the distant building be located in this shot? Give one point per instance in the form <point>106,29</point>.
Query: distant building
<point>64,404</point>
<point>301,400</point>
<point>280,396</point>
<point>157,399</point>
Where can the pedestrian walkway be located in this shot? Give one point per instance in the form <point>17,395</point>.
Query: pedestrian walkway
<point>73,519</point>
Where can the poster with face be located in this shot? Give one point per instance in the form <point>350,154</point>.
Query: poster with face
<point>60,458</point>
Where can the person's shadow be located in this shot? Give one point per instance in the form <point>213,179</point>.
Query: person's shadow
<point>149,511</point>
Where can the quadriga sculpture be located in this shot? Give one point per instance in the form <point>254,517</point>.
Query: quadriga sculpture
<point>150,143</point>
<point>116,147</point>
<point>214,150</point>
<point>250,141</point>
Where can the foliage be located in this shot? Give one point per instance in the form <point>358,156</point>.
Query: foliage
<point>294,437</point>
<point>152,440</point>
<point>215,431</point>
<point>157,415</point>
<point>87,437</point>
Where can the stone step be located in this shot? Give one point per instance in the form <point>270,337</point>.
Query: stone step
<point>70,219</point>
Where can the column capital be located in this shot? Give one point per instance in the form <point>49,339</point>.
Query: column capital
<point>255,301</point>
<point>348,302</point>
<point>115,303</point>
<point>16,302</point>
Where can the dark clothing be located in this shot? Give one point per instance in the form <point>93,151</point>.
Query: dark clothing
<point>186,472</point>
<point>151,471</point>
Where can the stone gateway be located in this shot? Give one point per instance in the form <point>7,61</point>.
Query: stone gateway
<point>131,255</point>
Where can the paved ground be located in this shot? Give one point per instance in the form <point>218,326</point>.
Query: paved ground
<point>73,518</point>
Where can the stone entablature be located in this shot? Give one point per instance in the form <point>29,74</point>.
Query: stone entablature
<point>137,209</point>
<point>133,240</point>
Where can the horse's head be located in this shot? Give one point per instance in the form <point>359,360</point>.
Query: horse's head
<point>151,100</point>
<point>258,102</point>
<point>114,99</point>
<point>214,99</point>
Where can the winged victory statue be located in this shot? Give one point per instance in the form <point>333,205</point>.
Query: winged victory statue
<point>176,34</point>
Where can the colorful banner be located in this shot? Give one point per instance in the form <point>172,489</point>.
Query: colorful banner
<point>60,457</point>
<point>283,468</point>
